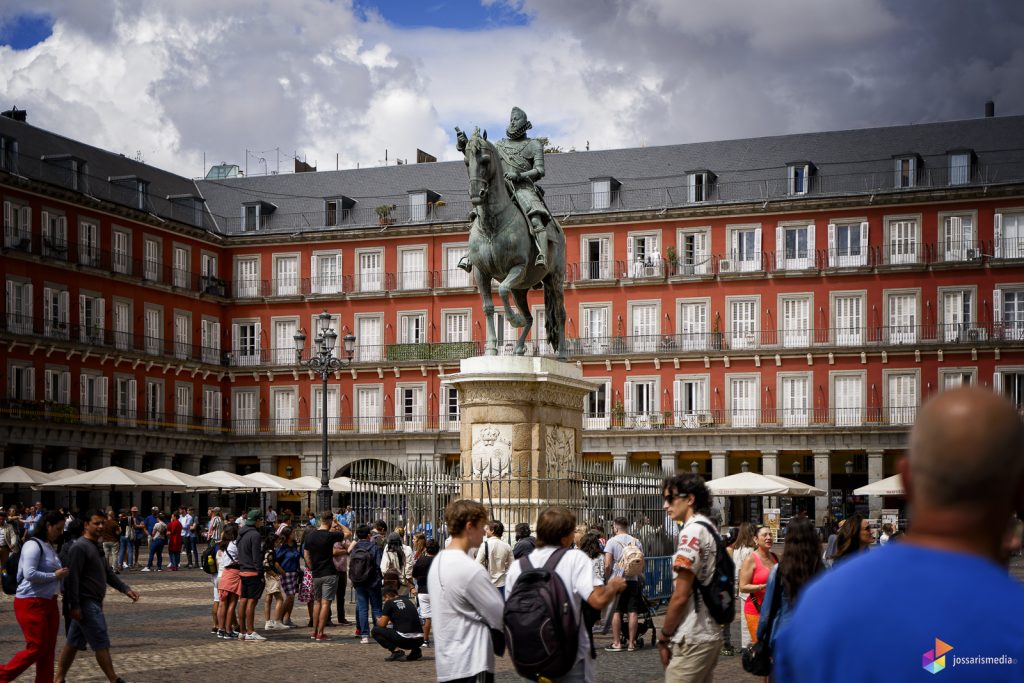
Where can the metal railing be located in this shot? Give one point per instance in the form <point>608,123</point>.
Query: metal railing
<point>872,416</point>
<point>97,414</point>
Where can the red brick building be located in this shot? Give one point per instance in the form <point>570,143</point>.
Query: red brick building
<point>782,304</point>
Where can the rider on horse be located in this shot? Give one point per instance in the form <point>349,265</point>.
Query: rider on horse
<point>523,161</point>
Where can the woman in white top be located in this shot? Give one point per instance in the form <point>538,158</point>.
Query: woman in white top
<point>399,557</point>
<point>739,551</point>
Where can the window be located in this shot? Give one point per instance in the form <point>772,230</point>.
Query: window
<point>8,154</point>
<point>154,402</point>
<point>743,401</point>
<point>449,408</point>
<point>21,383</point>
<point>957,377</point>
<point>55,235</point>
<point>795,315</point>
<point>153,331</point>
<point>601,193</point>
<point>151,259</point>
<point>283,403</point>
<point>799,176</point>
<point>417,206</point>
<point>284,341</point>
<point>248,277</point>
<point>596,262</point>
<point>960,167</point>
<point>1010,383</point>
<point>371,271</point>
<point>208,265</point>
<point>958,317</point>
<point>90,318</point>
<point>331,210</point>
<point>901,388</point>
<point>1009,235</point>
<point>369,338</point>
<point>245,412</point>
<point>505,335</point>
<point>594,328</point>
<point>19,307</point>
<point>794,247</point>
<point>326,272</point>
<point>456,326</point>
<point>641,402</point>
<point>122,319</point>
<point>743,323</point>
<point>698,186</point>
<point>368,409</point>
<point>210,340</point>
<point>141,192</point>
<point>333,412</point>
<point>17,226</point>
<point>125,400</point>
<point>794,396</point>
<point>57,386</point>
<point>412,328</point>
<point>56,303</point>
<point>644,327</point>
<point>182,404</point>
<point>902,318</point>
<point>903,242</point>
<point>182,256</point>
<point>906,172</point>
<point>88,244</point>
<point>745,251</point>
<point>455,276</point>
<point>848,399</point>
<point>643,256</point>
<point>211,407</point>
<point>540,333</point>
<point>958,238</point>
<point>121,252</point>
<point>847,244</point>
<point>246,336</point>
<point>693,253</point>
<point>92,397</point>
<point>848,320</point>
<point>182,335</point>
<point>596,410</point>
<point>286,275</point>
<point>693,325</point>
<point>412,272</point>
<point>1008,307</point>
<point>250,217</point>
<point>409,408</point>
<point>690,402</point>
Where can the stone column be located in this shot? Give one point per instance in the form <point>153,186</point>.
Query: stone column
<point>620,461</point>
<point>875,471</point>
<point>34,457</point>
<point>769,465</point>
<point>719,468</point>
<point>823,480</point>
<point>669,463</point>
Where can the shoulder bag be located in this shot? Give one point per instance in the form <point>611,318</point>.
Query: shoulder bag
<point>757,659</point>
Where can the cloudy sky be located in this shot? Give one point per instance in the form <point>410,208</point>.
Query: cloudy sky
<point>354,80</point>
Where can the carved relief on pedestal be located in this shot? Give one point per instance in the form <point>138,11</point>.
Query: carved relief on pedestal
<point>560,449</point>
<point>492,450</point>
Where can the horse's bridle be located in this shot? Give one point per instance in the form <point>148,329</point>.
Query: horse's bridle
<point>474,182</point>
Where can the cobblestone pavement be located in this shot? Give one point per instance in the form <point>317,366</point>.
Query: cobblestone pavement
<point>165,638</point>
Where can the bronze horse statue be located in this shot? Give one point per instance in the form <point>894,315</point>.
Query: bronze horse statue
<point>502,248</point>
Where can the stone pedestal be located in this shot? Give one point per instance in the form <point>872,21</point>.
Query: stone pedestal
<point>521,434</point>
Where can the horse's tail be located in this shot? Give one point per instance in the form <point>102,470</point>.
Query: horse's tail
<point>554,312</point>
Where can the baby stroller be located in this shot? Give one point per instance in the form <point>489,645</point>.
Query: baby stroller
<point>646,617</point>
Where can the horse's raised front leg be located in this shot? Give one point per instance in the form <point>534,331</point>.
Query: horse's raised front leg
<point>511,282</point>
<point>483,285</point>
<point>523,305</point>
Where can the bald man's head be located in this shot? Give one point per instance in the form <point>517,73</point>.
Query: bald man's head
<point>967,450</point>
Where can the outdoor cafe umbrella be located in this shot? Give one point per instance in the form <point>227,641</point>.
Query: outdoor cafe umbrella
<point>307,483</point>
<point>23,475</point>
<point>747,484</point>
<point>222,479</point>
<point>796,488</point>
<point>891,486</point>
<point>110,477</point>
<point>182,480</point>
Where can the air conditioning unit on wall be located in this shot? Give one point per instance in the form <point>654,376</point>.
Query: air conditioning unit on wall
<point>726,266</point>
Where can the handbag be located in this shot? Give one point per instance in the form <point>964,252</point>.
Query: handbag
<point>757,659</point>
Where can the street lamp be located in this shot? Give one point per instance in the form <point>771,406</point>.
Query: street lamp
<point>323,360</point>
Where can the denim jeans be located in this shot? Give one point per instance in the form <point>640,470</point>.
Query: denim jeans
<point>156,549</point>
<point>367,598</point>
<point>191,551</point>
<point>127,554</point>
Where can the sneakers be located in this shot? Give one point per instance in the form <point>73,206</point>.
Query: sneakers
<point>124,565</point>
<point>323,638</point>
<point>414,655</point>
<point>146,569</point>
<point>220,633</point>
<point>213,631</point>
<point>426,643</point>
<point>272,625</point>
<point>364,641</point>
<point>396,656</point>
<point>288,624</point>
<point>254,636</point>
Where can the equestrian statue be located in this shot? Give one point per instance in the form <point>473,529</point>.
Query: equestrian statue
<point>513,238</point>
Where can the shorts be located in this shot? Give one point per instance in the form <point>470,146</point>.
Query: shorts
<point>91,630</point>
<point>230,582</point>
<point>629,599</point>
<point>252,587</point>
<point>216,590</point>
<point>325,587</point>
<point>424,600</point>
<point>290,583</point>
<point>273,584</point>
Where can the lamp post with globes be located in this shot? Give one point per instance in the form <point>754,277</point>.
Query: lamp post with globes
<point>323,361</point>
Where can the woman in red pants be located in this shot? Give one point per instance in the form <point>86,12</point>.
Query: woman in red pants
<point>35,603</point>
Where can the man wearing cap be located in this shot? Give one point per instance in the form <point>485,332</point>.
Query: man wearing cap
<point>250,568</point>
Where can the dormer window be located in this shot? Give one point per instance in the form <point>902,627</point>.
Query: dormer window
<point>698,186</point>
<point>799,177</point>
<point>67,171</point>
<point>8,154</point>
<point>256,215</point>
<point>603,192</point>
<point>961,162</point>
<point>905,170</point>
<point>187,209</point>
<point>130,190</point>
<point>336,210</point>
<point>419,201</point>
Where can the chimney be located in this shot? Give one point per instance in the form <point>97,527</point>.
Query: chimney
<point>990,109</point>
<point>16,114</point>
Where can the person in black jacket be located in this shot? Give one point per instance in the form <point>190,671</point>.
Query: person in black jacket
<point>525,543</point>
<point>84,589</point>
<point>250,568</point>
<point>368,596</point>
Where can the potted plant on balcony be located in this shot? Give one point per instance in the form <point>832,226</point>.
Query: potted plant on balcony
<point>666,420</point>
<point>673,259</point>
<point>716,335</point>
<point>618,414</point>
<point>384,213</point>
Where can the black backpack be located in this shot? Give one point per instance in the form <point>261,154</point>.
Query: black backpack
<point>10,578</point>
<point>718,594</point>
<point>541,627</point>
<point>209,559</point>
<point>361,567</point>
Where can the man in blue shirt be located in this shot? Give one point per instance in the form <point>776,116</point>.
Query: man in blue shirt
<point>940,597</point>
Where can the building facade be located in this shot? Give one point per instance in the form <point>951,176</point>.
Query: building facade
<point>781,305</point>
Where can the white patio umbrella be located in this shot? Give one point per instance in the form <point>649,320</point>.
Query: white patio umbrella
<point>267,482</point>
<point>307,483</point>
<point>796,488</point>
<point>890,486</point>
<point>110,477</point>
<point>183,480</point>
<point>60,474</point>
<point>747,484</point>
<point>222,479</point>
<point>23,475</point>
<point>340,485</point>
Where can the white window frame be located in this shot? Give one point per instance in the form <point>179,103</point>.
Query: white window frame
<point>601,193</point>
<point>845,334</point>
<point>92,332</point>
<point>88,242</point>
<point>594,327</point>
<point>368,424</point>
<point>964,320</point>
<point>210,340</point>
<point>57,384</point>
<point>415,420</point>
<point>121,250</point>
<point>644,330</point>
<point>848,260</point>
<point>598,419</point>
<point>152,261</point>
<point>1004,221</point>
<point>450,420</point>
<point>413,280</point>
<point>693,323</point>
<point>56,311</point>
<point>906,329</point>
<point>247,276</point>
<point>369,279</point>
<point>798,179</point>
<point>743,336</point>
<point>958,236</point>
<point>848,416</point>
<point>17,225</point>
<point>699,263</point>
<point>184,404</point>
<point>903,244</point>
<point>154,396</point>
<point>1012,330</point>
<point>21,382</point>
<point>950,378</point>
<point>905,172</point>
<point>699,186</point>
<point>92,402</point>
<point>287,283</point>
<point>125,399</point>
<point>795,336</point>
<point>369,347</point>
<point>333,407</point>
<point>53,228</point>
<point>284,423</point>
<point>153,329</point>
<point>640,263</point>
<point>182,334</point>
<point>743,415</point>
<point>901,410</point>
<point>417,206</point>
<point>446,314</point>
<point>1000,377</point>
<point>406,325</point>
<point>793,412</point>
<point>453,275</point>
<point>245,410</point>
<point>738,255</point>
<point>249,356</point>
<point>284,355</point>
<point>783,261</point>
<point>961,163</point>
<point>636,416</point>
<point>691,407</point>
<point>20,305</point>
<point>212,412</point>
<point>325,282</point>
<point>182,265</point>
<point>602,268</point>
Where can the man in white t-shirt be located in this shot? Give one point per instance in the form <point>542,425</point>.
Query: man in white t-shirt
<point>463,602</point>
<point>555,528</point>
<point>690,638</point>
<point>629,600</point>
<point>495,554</point>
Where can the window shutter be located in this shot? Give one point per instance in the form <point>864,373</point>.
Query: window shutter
<point>700,252</point>
<point>627,399</point>
<point>30,384</point>
<point>259,337</point>
<point>26,220</point>
<point>8,223</point>
<point>236,344</point>
<point>811,229</point>
<point>99,316</point>
<point>691,186</point>
<point>832,245</point>
<point>997,235</point>
<point>967,234</point>
<point>10,303</point>
<point>83,391</point>
<point>215,342</point>
<point>12,384</point>
<point>757,247</point>
<point>45,228</point>
<point>735,245</point>
<point>997,382</point>
<point>133,399</point>
<point>65,387</point>
<point>677,397</point>
<point>587,314</point>
<point>629,252</point>
<point>64,305</point>
<point>898,174</point>
<point>864,243</point>
<point>47,385</point>
<point>103,394</point>
<point>997,306</point>
<point>47,296</point>
<point>780,248</point>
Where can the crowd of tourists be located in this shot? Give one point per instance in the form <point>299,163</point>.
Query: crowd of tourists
<point>477,597</point>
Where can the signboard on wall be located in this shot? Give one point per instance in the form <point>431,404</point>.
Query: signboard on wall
<point>773,520</point>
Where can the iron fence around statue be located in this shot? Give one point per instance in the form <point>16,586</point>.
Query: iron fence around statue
<point>413,497</point>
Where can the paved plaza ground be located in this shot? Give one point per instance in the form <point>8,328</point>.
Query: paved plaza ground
<point>165,638</point>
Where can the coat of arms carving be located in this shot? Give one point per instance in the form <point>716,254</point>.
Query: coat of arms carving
<point>492,450</point>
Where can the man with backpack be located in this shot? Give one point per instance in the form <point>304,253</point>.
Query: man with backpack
<point>551,576</point>
<point>616,563</point>
<point>364,560</point>
<point>250,568</point>
<point>691,637</point>
<point>319,549</point>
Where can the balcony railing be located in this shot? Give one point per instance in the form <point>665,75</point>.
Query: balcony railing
<point>105,416</point>
<point>874,416</point>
